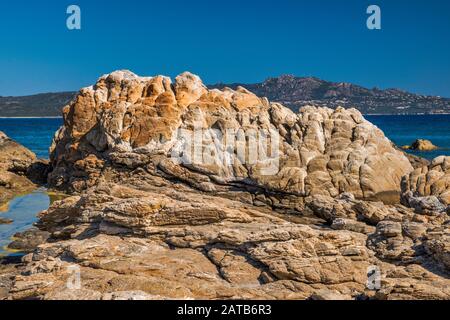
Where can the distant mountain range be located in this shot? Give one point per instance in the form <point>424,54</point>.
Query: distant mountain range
<point>40,105</point>
<point>296,92</point>
<point>293,92</point>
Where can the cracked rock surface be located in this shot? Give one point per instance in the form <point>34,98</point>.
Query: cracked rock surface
<point>140,226</point>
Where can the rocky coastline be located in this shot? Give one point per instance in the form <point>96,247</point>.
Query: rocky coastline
<point>15,161</point>
<point>335,211</point>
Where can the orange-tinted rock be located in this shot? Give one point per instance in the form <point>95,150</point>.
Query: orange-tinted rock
<point>15,161</point>
<point>320,151</point>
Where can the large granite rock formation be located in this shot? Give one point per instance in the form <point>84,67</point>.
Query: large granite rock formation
<point>142,226</point>
<point>15,161</point>
<point>126,120</point>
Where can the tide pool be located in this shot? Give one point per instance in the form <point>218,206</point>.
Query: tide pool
<point>23,212</point>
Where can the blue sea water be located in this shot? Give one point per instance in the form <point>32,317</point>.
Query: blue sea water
<point>34,133</point>
<point>405,129</point>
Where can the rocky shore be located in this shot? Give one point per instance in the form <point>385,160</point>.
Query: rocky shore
<point>15,161</point>
<point>335,211</point>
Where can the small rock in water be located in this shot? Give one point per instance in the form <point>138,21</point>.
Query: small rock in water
<point>5,221</point>
<point>14,163</point>
<point>421,145</point>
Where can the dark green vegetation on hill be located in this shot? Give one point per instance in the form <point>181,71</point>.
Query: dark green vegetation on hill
<point>293,92</point>
<point>40,105</point>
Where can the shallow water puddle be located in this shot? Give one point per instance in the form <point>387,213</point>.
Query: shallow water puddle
<point>23,212</point>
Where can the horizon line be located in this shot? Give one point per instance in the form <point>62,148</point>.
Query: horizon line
<point>242,83</point>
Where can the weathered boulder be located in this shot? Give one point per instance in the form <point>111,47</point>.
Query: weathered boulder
<point>425,187</point>
<point>421,145</point>
<point>14,163</point>
<point>401,235</point>
<point>14,157</point>
<point>437,244</point>
<point>346,207</point>
<point>29,240</point>
<point>130,121</point>
<point>416,161</point>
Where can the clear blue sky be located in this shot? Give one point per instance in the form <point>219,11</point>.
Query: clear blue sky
<point>225,41</point>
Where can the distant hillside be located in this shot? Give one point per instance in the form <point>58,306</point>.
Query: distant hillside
<point>40,105</point>
<point>293,92</point>
<point>296,92</point>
